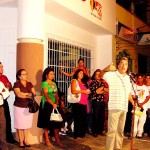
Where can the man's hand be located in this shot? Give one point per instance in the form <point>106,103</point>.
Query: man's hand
<point>9,86</point>
<point>111,67</point>
<point>141,105</point>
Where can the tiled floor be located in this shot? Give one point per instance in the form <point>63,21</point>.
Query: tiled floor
<point>89,143</point>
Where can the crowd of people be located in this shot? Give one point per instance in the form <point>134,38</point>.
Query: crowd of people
<point>107,99</point>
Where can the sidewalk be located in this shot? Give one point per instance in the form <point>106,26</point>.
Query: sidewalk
<point>89,143</point>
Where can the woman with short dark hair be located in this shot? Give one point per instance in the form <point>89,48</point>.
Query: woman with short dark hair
<point>24,91</point>
<point>99,97</point>
<point>49,102</point>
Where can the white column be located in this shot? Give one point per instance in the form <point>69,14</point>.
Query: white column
<point>31,20</point>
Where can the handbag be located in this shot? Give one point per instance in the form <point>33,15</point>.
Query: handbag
<point>56,117</point>
<point>138,111</point>
<point>73,98</point>
<point>33,105</point>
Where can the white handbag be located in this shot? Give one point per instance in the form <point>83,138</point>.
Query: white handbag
<point>56,116</point>
<point>73,98</point>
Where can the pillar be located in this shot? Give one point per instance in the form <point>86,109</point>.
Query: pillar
<point>30,50</point>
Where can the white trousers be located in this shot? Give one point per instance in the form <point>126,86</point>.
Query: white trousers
<point>139,124</point>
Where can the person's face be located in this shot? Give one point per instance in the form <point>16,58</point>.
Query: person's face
<point>81,63</point>
<point>98,75</point>
<point>23,75</point>
<point>140,80</point>
<point>51,75</point>
<point>147,79</point>
<point>1,69</point>
<point>123,66</point>
<point>80,75</point>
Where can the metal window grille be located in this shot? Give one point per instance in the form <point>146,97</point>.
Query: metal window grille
<point>64,54</point>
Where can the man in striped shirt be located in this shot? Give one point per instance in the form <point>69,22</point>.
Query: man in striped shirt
<point>119,94</point>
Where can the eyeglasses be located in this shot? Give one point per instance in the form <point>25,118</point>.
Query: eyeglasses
<point>24,74</point>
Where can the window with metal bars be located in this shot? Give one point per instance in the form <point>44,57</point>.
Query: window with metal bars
<point>65,55</point>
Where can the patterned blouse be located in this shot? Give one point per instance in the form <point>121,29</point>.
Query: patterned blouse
<point>98,97</point>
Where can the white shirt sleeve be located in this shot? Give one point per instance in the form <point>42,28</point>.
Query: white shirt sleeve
<point>5,94</point>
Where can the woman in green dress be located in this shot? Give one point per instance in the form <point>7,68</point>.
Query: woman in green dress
<point>49,102</point>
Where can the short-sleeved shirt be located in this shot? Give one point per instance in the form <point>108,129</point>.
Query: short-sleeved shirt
<point>22,102</point>
<point>4,79</point>
<point>148,103</point>
<point>94,86</point>
<point>119,90</point>
<point>142,92</point>
<point>84,69</point>
<point>51,91</point>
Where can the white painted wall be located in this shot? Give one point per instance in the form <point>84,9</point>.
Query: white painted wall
<point>68,31</point>
<point>108,20</point>
<point>103,53</point>
<point>8,40</point>
<point>102,45</point>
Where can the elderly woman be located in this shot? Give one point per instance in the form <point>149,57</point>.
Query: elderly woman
<point>99,97</point>
<point>80,109</point>
<point>22,118</point>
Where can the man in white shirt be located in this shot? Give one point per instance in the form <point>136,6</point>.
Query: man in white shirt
<point>147,123</point>
<point>119,94</point>
<point>141,91</point>
<point>4,93</point>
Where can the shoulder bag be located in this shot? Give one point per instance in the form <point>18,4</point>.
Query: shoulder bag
<point>73,98</point>
<point>33,105</point>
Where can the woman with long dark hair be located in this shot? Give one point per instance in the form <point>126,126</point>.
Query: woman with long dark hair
<point>80,109</point>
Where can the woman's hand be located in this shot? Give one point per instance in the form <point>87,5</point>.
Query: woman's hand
<point>54,106</point>
<point>86,91</point>
<point>100,90</point>
<point>60,70</point>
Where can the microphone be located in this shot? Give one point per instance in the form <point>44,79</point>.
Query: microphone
<point>131,77</point>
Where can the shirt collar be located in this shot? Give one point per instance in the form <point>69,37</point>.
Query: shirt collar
<point>119,74</point>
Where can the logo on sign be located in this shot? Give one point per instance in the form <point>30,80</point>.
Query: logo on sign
<point>96,6</point>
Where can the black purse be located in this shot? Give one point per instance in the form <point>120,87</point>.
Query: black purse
<point>33,105</point>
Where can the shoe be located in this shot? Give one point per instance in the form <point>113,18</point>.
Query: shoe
<point>139,137</point>
<point>22,146</point>
<point>89,131</point>
<point>12,141</point>
<point>59,143</point>
<point>95,135</point>
<point>48,143</point>
<point>62,133</point>
<point>103,133</point>
<point>27,145</point>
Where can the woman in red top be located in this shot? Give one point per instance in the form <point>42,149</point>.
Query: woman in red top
<point>22,118</point>
<point>80,66</point>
